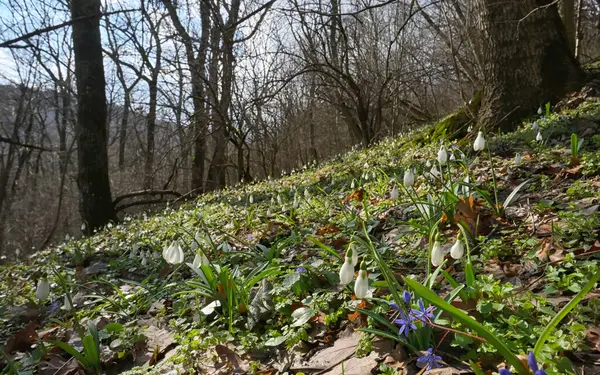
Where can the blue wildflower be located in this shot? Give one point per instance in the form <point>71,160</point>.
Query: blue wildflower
<point>406,296</point>
<point>394,306</point>
<point>430,360</point>
<point>423,314</point>
<point>532,365</point>
<point>504,371</point>
<point>301,270</point>
<point>406,324</point>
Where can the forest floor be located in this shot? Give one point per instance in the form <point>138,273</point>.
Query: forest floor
<point>267,299</point>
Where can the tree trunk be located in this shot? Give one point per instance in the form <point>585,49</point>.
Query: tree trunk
<point>92,178</point>
<point>568,17</point>
<point>527,60</point>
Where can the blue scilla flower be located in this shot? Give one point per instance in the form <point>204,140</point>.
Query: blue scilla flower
<point>429,360</point>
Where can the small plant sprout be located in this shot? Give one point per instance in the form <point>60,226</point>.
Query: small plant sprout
<point>518,159</point>
<point>458,249</point>
<point>409,177</point>
<point>43,290</point>
<point>535,127</point>
<point>347,270</point>
<point>437,254</point>
<point>361,286</point>
<point>173,254</point>
<point>442,155</point>
<point>394,194</point>
<point>539,137</point>
<point>479,143</point>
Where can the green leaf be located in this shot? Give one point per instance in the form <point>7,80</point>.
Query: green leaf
<point>469,274</point>
<point>564,311</point>
<point>12,369</point>
<point>91,351</point>
<point>302,315</point>
<point>455,285</point>
<point>71,351</point>
<point>275,341</point>
<point>468,321</point>
<point>389,335</point>
<point>113,327</point>
<point>377,317</point>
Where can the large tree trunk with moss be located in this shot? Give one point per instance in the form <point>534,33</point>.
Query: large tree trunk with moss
<point>92,177</point>
<point>527,59</point>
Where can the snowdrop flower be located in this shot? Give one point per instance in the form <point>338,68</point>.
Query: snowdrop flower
<point>306,194</point>
<point>43,290</point>
<point>428,164</point>
<point>437,254</point>
<point>409,177</point>
<point>539,137</point>
<point>540,111</point>
<point>200,260</point>
<point>251,199</point>
<point>361,286</point>
<point>518,159</point>
<point>435,172</point>
<point>144,260</point>
<point>347,270</point>
<point>295,204</point>
<point>352,185</point>
<point>83,226</point>
<point>535,127</point>
<point>268,212</point>
<point>470,128</point>
<point>479,143</point>
<point>442,155</point>
<point>279,201</point>
<point>67,304</point>
<point>394,194</point>
<point>452,157</point>
<point>173,254</point>
<point>458,249</point>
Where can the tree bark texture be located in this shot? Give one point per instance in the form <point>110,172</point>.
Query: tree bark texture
<point>92,177</point>
<point>527,59</point>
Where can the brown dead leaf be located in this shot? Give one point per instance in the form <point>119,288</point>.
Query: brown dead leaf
<point>593,338</point>
<point>339,243</point>
<point>575,161</point>
<point>555,169</point>
<point>358,196</point>
<point>327,229</point>
<point>23,339</point>
<point>573,171</point>
<point>229,356</point>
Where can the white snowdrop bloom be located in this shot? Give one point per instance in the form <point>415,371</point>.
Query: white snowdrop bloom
<point>539,137</point>
<point>251,199</point>
<point>535,127</point>
<point>279,201</point>
<point>452,157</point>
<point>435,172</point>
<point>409,177</point>
<point>352,185</point>
<point>518,159</point>
<point>144,260</point>
<point>173,254</point>
<point>200,260</point>
<point>437,254</point>
<point>442,155</point>
<point>457,250</point>
<point>347,270</point>
<point>361,286</point>
<point>479,143</point>
<point>83,226</point>
<point>428,164</point>
<point>540,111</point>
<point>43,290</point>
<point>268,212</point>
<point>394,194</point>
